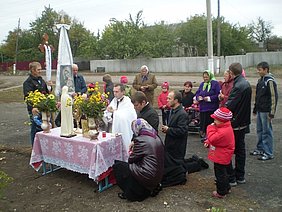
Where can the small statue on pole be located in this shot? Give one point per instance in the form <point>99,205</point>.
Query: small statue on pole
<point>44,47</point>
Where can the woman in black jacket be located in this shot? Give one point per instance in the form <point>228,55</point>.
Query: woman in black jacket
<point>141,176</point>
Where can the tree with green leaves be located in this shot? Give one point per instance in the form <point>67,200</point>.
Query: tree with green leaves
<point>260,31</point>
<point>192,34</point>
<point>234,39</point>
<point>158,41</point>
<point>122,39</point>
<point>83,42</point>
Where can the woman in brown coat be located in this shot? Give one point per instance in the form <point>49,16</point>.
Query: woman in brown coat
<point>145,82</point>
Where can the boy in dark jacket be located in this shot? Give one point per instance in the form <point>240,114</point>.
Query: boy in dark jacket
<point>265,108</point>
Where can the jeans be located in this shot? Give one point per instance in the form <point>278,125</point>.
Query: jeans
<point>264,133</point>
<point>238,172</point>
<point>34,128</point>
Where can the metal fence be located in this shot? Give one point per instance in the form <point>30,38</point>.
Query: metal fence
<point>171,64</point>
<point>184,64</point>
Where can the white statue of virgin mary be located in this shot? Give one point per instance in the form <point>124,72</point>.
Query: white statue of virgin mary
<point>66,114</point>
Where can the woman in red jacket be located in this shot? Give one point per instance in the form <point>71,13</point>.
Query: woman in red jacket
<point>226,88</point>
<point>221,143</point>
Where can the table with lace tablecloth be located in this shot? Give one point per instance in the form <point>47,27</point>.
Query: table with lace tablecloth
<point>79,154</point>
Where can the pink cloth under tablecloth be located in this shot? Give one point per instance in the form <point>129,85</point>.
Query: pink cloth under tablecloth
<point>77,154</point>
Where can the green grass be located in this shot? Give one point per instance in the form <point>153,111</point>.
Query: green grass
<point>12,95</point>
<point>5,180</point>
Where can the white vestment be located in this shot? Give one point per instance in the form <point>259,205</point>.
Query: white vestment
<point>122,119</point>
<point>66,113</point>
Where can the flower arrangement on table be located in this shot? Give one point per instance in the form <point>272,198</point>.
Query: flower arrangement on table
<point>43,101</point>
<point>93,103</point>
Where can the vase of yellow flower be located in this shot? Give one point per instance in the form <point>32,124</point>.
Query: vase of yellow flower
<point>77,116</point>
<point>93,128</point>
<point>46,104</point>
<point>46,126</point>
<point>92,105</point>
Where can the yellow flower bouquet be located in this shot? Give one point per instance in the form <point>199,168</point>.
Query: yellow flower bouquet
<point>93,103</point>
<point>44,102</point>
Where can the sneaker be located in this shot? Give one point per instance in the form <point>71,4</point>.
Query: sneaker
<point>256,152</point>
<point>241,181</point>
<point>215,194</point>
<point>233,184</point>
<point>266,157</point>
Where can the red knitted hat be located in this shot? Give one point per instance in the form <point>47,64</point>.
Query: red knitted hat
<point>222,114</point>
<point>165,85</point>
<point>123,79</point>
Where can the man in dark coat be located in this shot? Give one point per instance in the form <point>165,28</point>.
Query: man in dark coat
<point>32,83</point>
<point>145,110</point>
<point>239,102</point>
<point>176,131</point>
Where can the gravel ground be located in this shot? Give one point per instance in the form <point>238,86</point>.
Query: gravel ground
<point>64,190</point>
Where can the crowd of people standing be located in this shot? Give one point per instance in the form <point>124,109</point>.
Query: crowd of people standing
<point>225,107</point>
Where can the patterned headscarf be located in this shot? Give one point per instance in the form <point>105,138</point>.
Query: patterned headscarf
<point>208,84</point>
<point>142,127</point>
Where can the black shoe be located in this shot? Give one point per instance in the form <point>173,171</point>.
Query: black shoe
<point>156,191</point>
<point>195,157</point>
<point>203,164</point>
<point>121,195</point>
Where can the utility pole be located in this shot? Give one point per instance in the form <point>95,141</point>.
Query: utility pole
<point>218,37</point>
<point>209,30</point>
<point>17,42</point>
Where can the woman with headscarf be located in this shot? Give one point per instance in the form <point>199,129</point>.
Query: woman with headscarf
<point>226,87</point>
<point>207,98</point>
<point>140,177</point>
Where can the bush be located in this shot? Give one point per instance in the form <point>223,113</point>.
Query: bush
<point>4,181</point>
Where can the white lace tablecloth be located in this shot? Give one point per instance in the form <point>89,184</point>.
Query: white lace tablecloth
<point>77,154</point>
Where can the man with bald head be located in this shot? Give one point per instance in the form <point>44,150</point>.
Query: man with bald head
<point>79,82</point>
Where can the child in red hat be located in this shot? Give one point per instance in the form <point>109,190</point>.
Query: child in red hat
<point>124,80</point>
<point>221,143</point>
<point>163,104</point>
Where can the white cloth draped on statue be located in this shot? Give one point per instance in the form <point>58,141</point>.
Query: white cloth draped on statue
<point>122,119</point>
<point>64,57</point>
<point>48,62</point>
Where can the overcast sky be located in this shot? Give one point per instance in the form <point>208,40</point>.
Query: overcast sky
<point>95,14</point>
